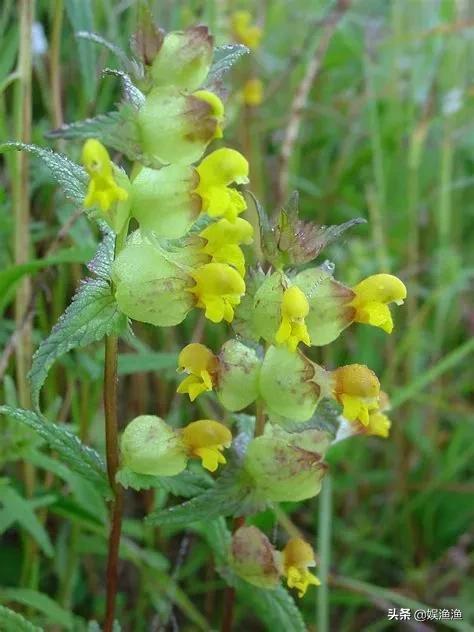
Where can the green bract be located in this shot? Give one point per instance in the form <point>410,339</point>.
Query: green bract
<point>175,127</point>
<point>149,446</point>
<point>237,379</point>
<point>287,466</point>
<point>254,558</point>
<point>184,59</point>
<point>163,200</point>
<point>152,283</point>
<point>328,299</point>
<point>290,384</point>
<point>266,315</point>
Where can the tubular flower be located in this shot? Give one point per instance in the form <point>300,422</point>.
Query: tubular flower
<point>253,92</point>
<point>244,31</point>
<point>218,290</point>
<point>294,308</point>
<point>372,297</point>
<point>201,365</point>
<point>357,388</point>
<point>206,439</point>
<point>102,190</point>
<point>216,172</point>
<point>223,239</point>
<point>298,557</point>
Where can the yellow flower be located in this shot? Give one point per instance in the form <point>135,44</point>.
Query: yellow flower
<point>243,30</point>
<point>216,172</point>
<point>223,239</point>
<point>102,190</point>
<point>253,92</point>
<point>206,439</point>
<point>379,424</point>
<point>357,388</point>
<point>372,297</point>
<point>200,364</point>
<point>294,309</point>
<point>298,556</point>
<point>218,290</point>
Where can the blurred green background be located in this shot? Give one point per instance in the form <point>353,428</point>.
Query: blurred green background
<point>385,133</point>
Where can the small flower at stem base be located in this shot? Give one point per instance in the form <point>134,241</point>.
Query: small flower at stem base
<point>357,388</point>
<point>298,557</point>
<point>103,191</point>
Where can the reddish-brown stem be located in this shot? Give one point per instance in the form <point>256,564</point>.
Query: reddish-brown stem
<point>112,452</point>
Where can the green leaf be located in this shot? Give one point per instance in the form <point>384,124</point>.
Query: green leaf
<point>114,129</point>
<point>11,621</point>
<point>79,457</point>
<point>129,363</point>
<point>275,608</point>
<point>92,314</point>
<point>224,58</point>
<point>112,48</point>
<point>12,274</point>
<point>232,495</point>
<point>18,508</point>
<point>101,263</point>
<point>186,484</point>
<point>80,16</point>
<point>41,602</point>
<point>72,178</point>
<point>131,93</point>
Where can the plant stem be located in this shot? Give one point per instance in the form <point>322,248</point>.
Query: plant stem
<point>112,454</point>
<point>324,549</point>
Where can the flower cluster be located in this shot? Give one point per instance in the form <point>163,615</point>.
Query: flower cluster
<point>188,251</point>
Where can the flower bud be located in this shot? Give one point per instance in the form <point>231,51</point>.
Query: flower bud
<point>184,59</point>
<point>151,285</point>
<point>291,385</point>
<point>254,558</point>
<point>287,466</point>
<point>163,200</point>
<point>177,128</point>
<point>237,377</point>
<point>149,446</point>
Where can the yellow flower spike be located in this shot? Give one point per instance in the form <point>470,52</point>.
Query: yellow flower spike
<point>357,388</point>
<point>223,239</point>
<point>372,297</point>
<point>206,440</point>
<point>218,290</point>
<point>217,108</point>
<point>253,93</point>
<point>298,557</point>
<point>243,30</point>
<point>201,365</point>
<point>102,190</point>
<point>216,172</point>
<point>294,309</point>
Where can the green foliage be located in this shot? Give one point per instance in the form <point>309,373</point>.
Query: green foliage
<point>71,177</point>
<point>11,621</point>
<point>80,14</point>
<point>52,612</point>
<point>80,458</point>
<point>92,315</point>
